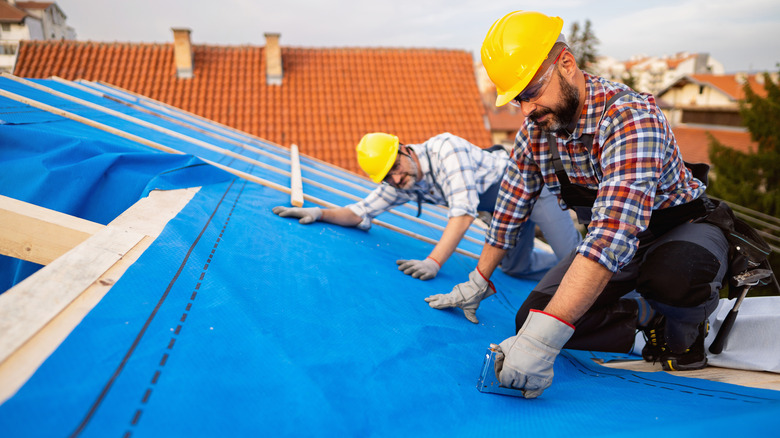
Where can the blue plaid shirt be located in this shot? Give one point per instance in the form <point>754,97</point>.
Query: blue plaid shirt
<point>462,170</point>
<point>634,164</point>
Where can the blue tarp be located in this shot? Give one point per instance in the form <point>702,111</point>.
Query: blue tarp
<point>236,322</point>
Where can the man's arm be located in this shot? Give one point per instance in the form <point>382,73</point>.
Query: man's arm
<point>489,259</point>
<point>581,285</point>
<point>341,216</point>
<point>452,235</point>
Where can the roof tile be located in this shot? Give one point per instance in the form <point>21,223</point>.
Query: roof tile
<point>329,97</point>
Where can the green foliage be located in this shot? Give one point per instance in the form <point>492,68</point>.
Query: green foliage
<point>629,79</point>
<point>753,179</point>
<point>583,42</point>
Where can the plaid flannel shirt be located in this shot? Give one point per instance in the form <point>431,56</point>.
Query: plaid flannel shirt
<point>634,164</point>
<point>462,170</point>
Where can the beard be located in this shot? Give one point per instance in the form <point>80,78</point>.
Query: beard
<point>410,178</point>
<point>563,114</point>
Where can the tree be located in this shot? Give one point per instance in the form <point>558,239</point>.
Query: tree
<point>582,43</point>
<point>752,180</point>
<point>629,79</point>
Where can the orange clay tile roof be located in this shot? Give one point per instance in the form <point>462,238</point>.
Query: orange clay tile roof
<point>678,59</point>
<point>328,100</point>
<point>33,5</point>
<point>11,14</point>
<point>730,84</point>
<point>694,142</point>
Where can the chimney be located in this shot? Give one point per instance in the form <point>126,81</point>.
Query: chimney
<point>273,59</point>
<point>182,53</point>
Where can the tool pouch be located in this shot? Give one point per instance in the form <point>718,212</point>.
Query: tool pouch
<point>746,248</point>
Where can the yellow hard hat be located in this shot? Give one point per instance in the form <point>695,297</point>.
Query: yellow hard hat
<point>514,49</point>
<point>376,154</point>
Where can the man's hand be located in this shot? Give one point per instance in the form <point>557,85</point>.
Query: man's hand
<point>525,361</point>
<point>422,269</point>
<point>466,295</point>
<point>305,215</point>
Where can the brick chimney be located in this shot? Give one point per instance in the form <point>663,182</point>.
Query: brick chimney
<point>182,53</point>
<point>273,59</point>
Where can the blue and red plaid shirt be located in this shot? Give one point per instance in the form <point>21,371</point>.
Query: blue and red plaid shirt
<point>634,164</point>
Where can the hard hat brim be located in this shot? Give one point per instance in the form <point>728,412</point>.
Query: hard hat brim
<point>548,41</point>
<point>393,155</point>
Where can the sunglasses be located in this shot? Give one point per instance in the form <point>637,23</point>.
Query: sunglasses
<point>395,170</point>
<point>538,88</point>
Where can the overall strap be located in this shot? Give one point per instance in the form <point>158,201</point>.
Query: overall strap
<point>420,199</point>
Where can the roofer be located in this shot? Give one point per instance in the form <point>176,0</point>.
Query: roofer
<point>630,183</point>
<point>446,170</point>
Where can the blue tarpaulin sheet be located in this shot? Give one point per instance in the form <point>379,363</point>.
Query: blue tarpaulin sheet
<point>237,322</point>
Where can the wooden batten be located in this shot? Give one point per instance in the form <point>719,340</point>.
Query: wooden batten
<point>39,235</point>
<point>296,185</point>
<point>37,314</point>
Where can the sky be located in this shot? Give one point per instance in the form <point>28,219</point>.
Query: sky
<point>743,35</point>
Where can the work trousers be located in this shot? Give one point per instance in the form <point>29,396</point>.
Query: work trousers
<point>557,227</point>
<point>680,275</point>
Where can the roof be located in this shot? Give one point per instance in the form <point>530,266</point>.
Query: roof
<point>329,99</point>
<point>34,5</point>
<point>236,322</point>
<point>730,85</point>
<point>11,14</point>
<point>502,118</point>
<point>674,62</point>
<point>694,141</point>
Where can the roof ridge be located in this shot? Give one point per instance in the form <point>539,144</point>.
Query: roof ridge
<point>249,45</point>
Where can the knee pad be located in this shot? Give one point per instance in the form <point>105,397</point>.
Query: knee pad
<point>678,273</point>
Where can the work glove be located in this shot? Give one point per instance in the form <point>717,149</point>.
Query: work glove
<point>525,361</point>
<point>466,295</point>
<point>422,269</point>
<point>305,215</point>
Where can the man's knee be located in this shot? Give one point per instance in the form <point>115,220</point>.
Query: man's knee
<point>679,273</point>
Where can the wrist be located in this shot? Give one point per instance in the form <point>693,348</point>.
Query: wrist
<point>436,261</point>
<point>547,329</point>
<point>553,316</point>
<point>316,213</point>
<point>487,280</point>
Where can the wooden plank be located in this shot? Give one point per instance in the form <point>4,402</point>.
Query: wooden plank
<point>296,185</point>
<point>38,314</point>
<point>754,379</point>
<point>37,234</point>
<point>29,305</point>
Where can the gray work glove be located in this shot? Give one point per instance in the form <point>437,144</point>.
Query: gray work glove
<point>525,361</point>
<point>422,269</point>
<point>305,215</point>
<point>466,295</point>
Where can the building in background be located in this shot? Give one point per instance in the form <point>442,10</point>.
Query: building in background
<point>709,99</point>
<point>650,74</point>
<point>697,98</point>
<point>29,21</point>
